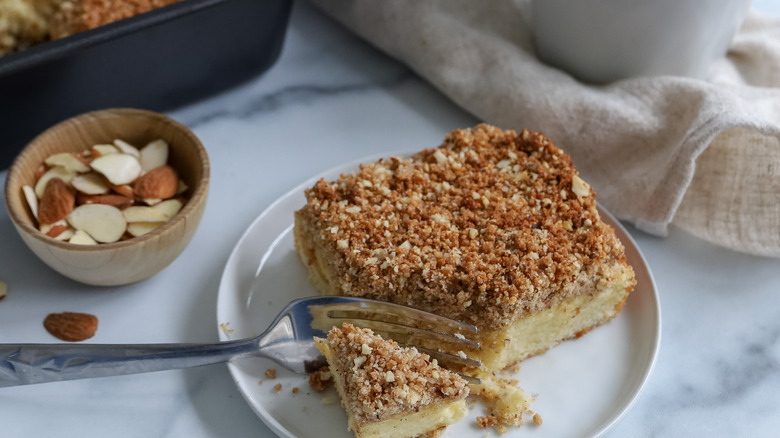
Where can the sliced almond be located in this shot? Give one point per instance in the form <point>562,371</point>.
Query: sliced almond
<point>56,230</point>
<point>55,172</point>
<point>580,187</point>
<point>46,228</point>
<point>118,168</point>
<point>118,201</point>
<point>158,183</point>
<point>57,201</point>
<point>66,235</point>
<point>91,183</point>
<point>32,200</point>
<point>103,223</point>
<point>141,228</point>
<point>143,214</point>
<point>82,238</point>
<point>183,187</point>
<point>153,155</point>
<point>127,148</point>
<point>100,150</point>
<point>124,190</point>
<point>68,161</point>
<point>169,207</point>
<point>39,172</point>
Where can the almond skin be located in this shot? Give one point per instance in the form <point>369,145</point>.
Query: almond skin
<point>118,201</point>
<point>56,230</point>
<point>57,201</point>
<point>123,189</point>
<point>70,326</point>
<point>158,183</point>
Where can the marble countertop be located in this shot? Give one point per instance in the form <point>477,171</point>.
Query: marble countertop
<point>321,105</point>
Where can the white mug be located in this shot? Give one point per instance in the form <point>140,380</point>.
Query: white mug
<point>601,41</point>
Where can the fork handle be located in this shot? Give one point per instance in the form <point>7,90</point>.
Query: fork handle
<point>23,364</point>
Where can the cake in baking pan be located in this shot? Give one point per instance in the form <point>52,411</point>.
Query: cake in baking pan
<point>24,23</point>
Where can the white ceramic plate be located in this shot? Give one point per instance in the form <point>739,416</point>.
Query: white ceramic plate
<point>583,387</point>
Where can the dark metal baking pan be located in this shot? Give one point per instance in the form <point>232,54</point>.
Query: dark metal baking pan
<point>158,60</point>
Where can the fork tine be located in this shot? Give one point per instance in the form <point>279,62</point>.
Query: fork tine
<point>449,359</point>
<point>407,326</point>
<point>372,309</point>
<point>410,334</point>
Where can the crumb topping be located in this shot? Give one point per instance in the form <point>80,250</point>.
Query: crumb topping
<point>320,379</point>
<point>487,227</point>
<point>388,379</point>
<point>507,403</point>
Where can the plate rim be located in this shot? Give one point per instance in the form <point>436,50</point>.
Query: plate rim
<point>277,428</point>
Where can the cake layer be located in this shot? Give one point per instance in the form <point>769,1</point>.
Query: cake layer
<point>568,319</point>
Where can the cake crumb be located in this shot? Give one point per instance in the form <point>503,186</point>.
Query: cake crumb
<point>295,390</point>
<point>225,327</point>
<point>537,419</point>
<point>278,387</point>
<point>320,379</point>
<point>435,433</point>
<point>506,403</point>
<point>270,373</point>
<point>260,382</point>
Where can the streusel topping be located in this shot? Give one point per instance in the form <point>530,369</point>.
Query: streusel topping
<point>382,379</point>
<point>485,228</point>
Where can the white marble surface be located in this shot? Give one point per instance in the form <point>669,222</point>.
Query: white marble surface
<point>322,104</point>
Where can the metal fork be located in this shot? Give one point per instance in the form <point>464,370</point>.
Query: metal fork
<point>289,341</point>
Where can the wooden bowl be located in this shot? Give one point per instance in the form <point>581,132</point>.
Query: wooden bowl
<point>123,262</point>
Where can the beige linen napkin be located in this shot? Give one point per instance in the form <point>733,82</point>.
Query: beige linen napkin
<point>701,154</point>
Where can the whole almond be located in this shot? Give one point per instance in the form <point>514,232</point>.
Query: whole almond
<point>118,201</point>
<point>71,326</point>
<point>158,183</point>
<point>56,203</point>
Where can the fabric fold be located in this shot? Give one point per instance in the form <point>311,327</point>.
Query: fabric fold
<point>700,154</point>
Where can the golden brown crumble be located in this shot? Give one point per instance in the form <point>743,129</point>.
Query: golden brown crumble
<point>296,390</point>
<point>382,379</point>
<point>278,387</point>
<point>506,402</point>
<point>320,379</point>
<point>486,228</point>
<point>24,23</point>
<point>79,15</point>
<point>270,373</point>
<point>538,419</point>
<point>439,431</point>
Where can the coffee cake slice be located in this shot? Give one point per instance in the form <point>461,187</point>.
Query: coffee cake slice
<point>493,227</point>
<point>390,391</point>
